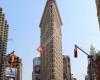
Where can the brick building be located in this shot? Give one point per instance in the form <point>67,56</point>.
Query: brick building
<point>66,68</point>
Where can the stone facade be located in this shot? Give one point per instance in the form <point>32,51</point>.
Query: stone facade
<point>51,58</point>
<point>19,70</point>
<point>66,68</point>
<point>97,61</point>
<point>98,10</point>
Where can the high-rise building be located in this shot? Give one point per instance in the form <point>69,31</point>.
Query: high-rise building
<point>92,50</point>
<point>98,10</point>
<point>91,65</point>
<point>66,68</point>
<point>19,70</point>
<point>94,65</point>
<point>51,58</point>
<point>36,68</point>
<point>3,43</point>
<point>97,61</point>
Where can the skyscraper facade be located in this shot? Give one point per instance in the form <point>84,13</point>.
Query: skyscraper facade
<point>51,58</point>
<point>98,10</point>
<point>66,68</point>
<point>3,43</point>
<point>19,70</point>
<point>97,61</point>
<point>91,65</point>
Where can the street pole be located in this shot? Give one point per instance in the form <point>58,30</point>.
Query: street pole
<point>81,50</point>
<point>90,61</point>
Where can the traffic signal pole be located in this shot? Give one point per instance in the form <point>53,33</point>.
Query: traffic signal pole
<point>90,60</point>
<point>82,50</point>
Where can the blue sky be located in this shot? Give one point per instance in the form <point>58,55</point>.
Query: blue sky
<point>80,26</point>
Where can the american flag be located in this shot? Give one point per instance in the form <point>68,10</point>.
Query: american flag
<point>41,49</point>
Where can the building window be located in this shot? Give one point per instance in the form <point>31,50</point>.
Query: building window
<point>53,60</point>
<point>53,70</point>
<point>51,51</point>
<point>52,76</point>
<point>51,6</point>
<point>52,55</point>
<point>51,24</point>
<point>51,45</point>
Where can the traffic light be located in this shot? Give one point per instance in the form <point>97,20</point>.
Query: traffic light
<point>13,58</point>
<point>75,52</point>
<point>15,63</point>
<point>9,59</point>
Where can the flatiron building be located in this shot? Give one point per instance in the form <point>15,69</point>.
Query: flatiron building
<point>51,58</point>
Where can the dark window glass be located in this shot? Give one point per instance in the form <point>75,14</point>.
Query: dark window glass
<point>52,76</point>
